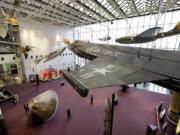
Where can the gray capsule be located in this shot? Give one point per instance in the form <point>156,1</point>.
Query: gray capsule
<point>44,105</point>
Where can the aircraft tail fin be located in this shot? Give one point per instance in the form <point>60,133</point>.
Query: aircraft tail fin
<point>80,87</point>
<point>150,33</point>
<point>172,32</point>
<point>177,27</point>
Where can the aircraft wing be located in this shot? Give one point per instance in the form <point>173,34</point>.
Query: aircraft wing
<point>104,72</point>
<point>54,54</point>
<point>9,43</point>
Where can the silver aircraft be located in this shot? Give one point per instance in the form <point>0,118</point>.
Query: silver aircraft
<point>118,65</point>
<point>50,56</point>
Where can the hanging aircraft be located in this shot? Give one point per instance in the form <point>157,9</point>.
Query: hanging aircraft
<point>118,65</point>
<point>9,24</point>
<point>66,41</point>
<point>50,56</point>
<point>14,48</point>
<point>149,35</point>
<point>106,38</point>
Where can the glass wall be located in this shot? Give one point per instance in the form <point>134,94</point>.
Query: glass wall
<point>131,26</point>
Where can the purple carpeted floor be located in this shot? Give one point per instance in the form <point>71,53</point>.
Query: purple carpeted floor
<point>135,110</point>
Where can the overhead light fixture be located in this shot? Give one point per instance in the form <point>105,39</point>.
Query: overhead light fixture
<point>57,38</point>
<point>25,34</point>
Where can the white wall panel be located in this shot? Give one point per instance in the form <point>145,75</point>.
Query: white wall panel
<point>45,39</point>
<point>8,58</point>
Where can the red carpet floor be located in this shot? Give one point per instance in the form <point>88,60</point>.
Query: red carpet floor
<point>135,110</point>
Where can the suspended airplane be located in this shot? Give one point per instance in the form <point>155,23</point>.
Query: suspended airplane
<point>50,56</point>
<point>66,41</point>
<point>8,33</point>
<point>149,35</point>
<point>9,24</point>
<point>117,65</point>
<point>14,48</point>
<point>106,38</point>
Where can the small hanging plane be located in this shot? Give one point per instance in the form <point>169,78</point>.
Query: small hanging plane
<point>118,65</point>
<point>106,38</point>
<point>14,48</point>
<point>9,24</point>
<point>149,35</point>
<point>66,41</point>
<point>50,56</point>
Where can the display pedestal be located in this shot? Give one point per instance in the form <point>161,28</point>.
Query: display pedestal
<point>174,109</point>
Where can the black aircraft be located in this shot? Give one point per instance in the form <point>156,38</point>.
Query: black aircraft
<point>117,65</point>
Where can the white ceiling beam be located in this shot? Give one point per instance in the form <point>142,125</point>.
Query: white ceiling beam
<point>169,4</point>
<point>77,13</point>
<point>117,8</point>
<point>102,8</point>
<point>5,5</point>
<point>47,13</point>
<point>91,12</point>
<point>133,8</point>
<point>70,17</point>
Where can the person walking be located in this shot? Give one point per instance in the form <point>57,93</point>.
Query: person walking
<point>68,114</point>
<point>37,81</point>
<point>26,108</point>
<point>91,97</point>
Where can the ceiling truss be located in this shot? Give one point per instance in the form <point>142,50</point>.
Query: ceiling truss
<point>82,12</point>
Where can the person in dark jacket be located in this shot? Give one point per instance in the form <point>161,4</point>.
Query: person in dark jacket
<point>68,114</point>
<point>91,97</point>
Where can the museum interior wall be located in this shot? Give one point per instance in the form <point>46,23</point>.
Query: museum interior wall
<point>44,39</point>
<point>7,58</point>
